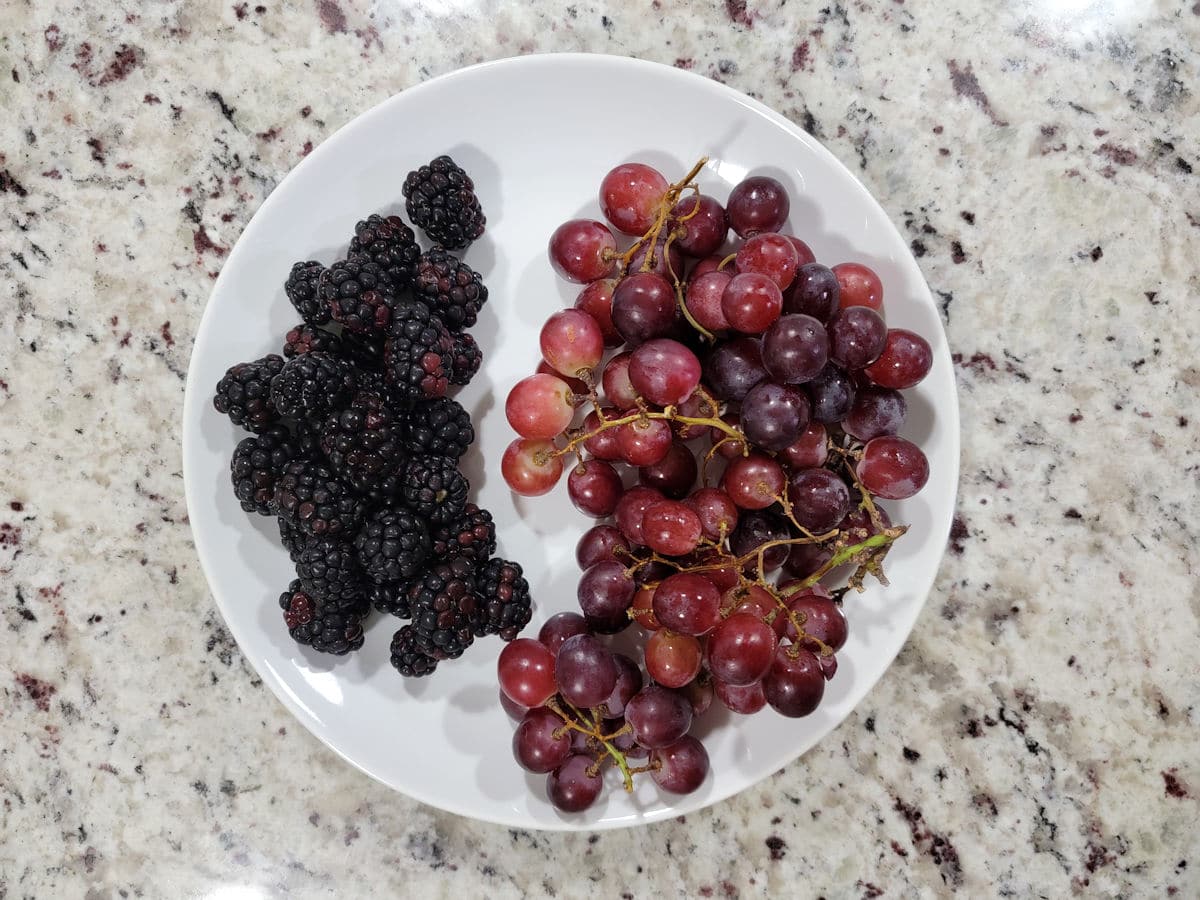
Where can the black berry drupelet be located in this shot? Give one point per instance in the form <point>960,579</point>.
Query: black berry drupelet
<point>440,200</point>
<point>362,442</point>
<point>310,497</point>
<point>471,535</point>
<point>391,598</point>
<point>392,546</point>
<point>389,243</point>
<point>507,606</point>
<point>359,296</point>
<point>433,487</point>
<point>445,607</point>
<point>412,653</point>
<point>328,569</point>
<point>438,428</point>
<point>451,288</point>
<point>244,393</point>
<point>302,290</point>
<point>312,384</point>
<point>416,357</point>
<point>307,338</point>
<point>326,626</point>
<point>292,537</point>
<point>257,463</point>
<point>465,358</point>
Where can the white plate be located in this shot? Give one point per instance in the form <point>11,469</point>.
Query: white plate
<point>537,133</point>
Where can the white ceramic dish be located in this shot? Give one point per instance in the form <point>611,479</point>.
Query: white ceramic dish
<point>537,134</point>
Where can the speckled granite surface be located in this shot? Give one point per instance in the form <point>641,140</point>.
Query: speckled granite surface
<point>1039,734</point>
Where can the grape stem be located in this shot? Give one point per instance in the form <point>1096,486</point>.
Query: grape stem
<point>670,414</point>
<point>593,731</point>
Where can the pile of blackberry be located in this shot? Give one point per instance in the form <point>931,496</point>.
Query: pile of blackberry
<point>356,446</point>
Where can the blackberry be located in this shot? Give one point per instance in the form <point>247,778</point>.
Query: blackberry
<point>311,384</point>
<point>416,357</point>
<point>302,288</point>
<point>413,654</point>
<point>440,200</point>
<point>257,463</point>
<point>292,537</point>
<point>391,598</point>
<point>438,428</point>
<point>244,393</point>
<point>306,338</point>
<point>392,546</point>
<point>445,606</point>
<point>471,535</point>
<point>465,358</point>
<point>310,497</point>
<point>433,487</point>
<point>359,296</point>
<point>451,288</point>
<point>390,244</point>
<point>327,627</point>
<point>329,570</point>
<point>363,444</point>
<point>507,605</point>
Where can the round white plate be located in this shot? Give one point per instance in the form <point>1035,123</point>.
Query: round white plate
<point>537,134</point>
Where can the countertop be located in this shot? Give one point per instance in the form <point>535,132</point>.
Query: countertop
<point>1038,734</point>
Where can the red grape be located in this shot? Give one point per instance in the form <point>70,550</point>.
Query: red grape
<point>585,670</point>
<point>755,600</point>
<point>617,387</point>
<point>755,528</point>
<point>526,672</point>
<point>728,447</point>
<point>528,467</point>
<point>541,742</point>
<point>831,394</point>
<point>603,442</point>
<point>734,367</point>
<point>631,511</point>
<point>772,255</point>
<point>594,487</point>
<point>741,649</point>
<point>717,511</point>
<point>858,286</point>
<point>658,716</point>
<point>604,593</point>
<point>669,267</point>
<point>794,685</point>
<point>805,559</point>
<point>596,300</point>
<point>680,767</point>
<point>670,528</point>
<point>876,411</point>
<point>643,609</point>
<point>795,349</point>
<point>751,302</point>
<point>905,360</point>
<point>706,227</point>
<point>664,371</point>
<point>643,307</point>
<point>559,627</point>
<point>644,442</point>
<point>578,388</point>
<point>757,204</point>
<point>746,700</point>
<point>673,475</point>
<point>703,299</point>
<point>815,292</point>
<point>583,250</point>
<point>754,482</point>
<point>688,603</point>
<point>672,659</point>
<point>573,786</point>
<point>630,197</point>
<point>572,342</point>
<point>706,265</point>
<point>857,336</point>
<point>819,499</point>
<point>892,468</point>
<point>774,415</point>
<point>540,406</point>
<point>629,682</point>
<point>601,542</point>
<point>515,711</point>
<point>699,692</point>
<point>822,619</point>
<point>809,450</point>
<point>804,254</point>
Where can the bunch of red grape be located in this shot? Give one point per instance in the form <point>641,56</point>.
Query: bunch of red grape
<point>755,396</point>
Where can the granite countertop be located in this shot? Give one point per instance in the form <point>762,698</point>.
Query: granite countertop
<point>1037,736</point>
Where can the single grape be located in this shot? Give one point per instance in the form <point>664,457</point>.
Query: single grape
<point>857,335</point>
<point>644,442</point>
<point>904,362</point>
<point>794,685</point>
<point>814,292</point>
<point>643,307</point>
<point>596,300</point>
<point>876,411</point>
<point>526,672</point>
<point>699,692</point>
<point>671,528</point>
<point>804,254</point>
<point>601,542</point>
<point>604,593</point>
<point>741,649</point>
<point>819,499</point>
<point>706,226</point>
<point>559,627</point>
<point>585,671</point>
<point>755,600</point>
<point>594,487</point>
<point>747,699</point>
<point>673,475</point>
<point>664,371</point>
<point>573,786</point>
<point>529,468</point>
<point>680,767</point>
<point>751,302</point>
<point>572,342</point>
<point>581,742</point>
<point>703,300</point>
<point>858,522</point>
<point>629,682</point>
<point>728,447</point>
<point>642,609</point>
<point>774,415</point>
<point>772,255</point>
<point>858,286</point>
<point>706,265</point>
<point>540,406</point>
<point>821,618</point>
<point>515,711</point>
<point>804,559</point>
<point>583,250</point>
<point>734,367</point>
<point>615,379</point>
<point>631,511</point>
<point>717,511</point>
<point>625,742</point>
<point>541,742</point>
<point>755,528</point>
<point>658,716</point>
<point>809,450</point>
<point>669,267</point>
<point>754,482</point>
<point>795,349</point>
<point>757,204</point>
<point>672,659</point>
<point>723,576</point>
<point>892,468</point>
<point>688,603</point>
<point>829,666</point>
<point>578,388</point>
<point>696,406</point>
<point>603,442</point>
<point>831,394</point>
<point>630,197</point>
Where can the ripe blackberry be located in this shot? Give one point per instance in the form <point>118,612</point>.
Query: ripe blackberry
<point>363,444</point>
<point>451,288</point>
<point>391,598</point>
<point>312,384</point>
<point>440,200</point>
<point>292,537</point>
<point>244,393</point>
<point>438,428</point>
<point>445,606</point>
<point>416,357</point>
<point>471,535</point>
<point>433,487</point>
<point>310,497</point>
<point>328,569</point>
<point>506,602</point>
<point>359,296</point>
<point>465,358</point>
<point>327,627</point>
<point>413,654</point>
<point>306,338</point>
<point>390,244</point>
<point>302,288</point>
<point>392,546</point>
<point>257,463</point>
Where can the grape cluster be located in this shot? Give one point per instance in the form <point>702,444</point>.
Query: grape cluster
<point>757,395</point>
